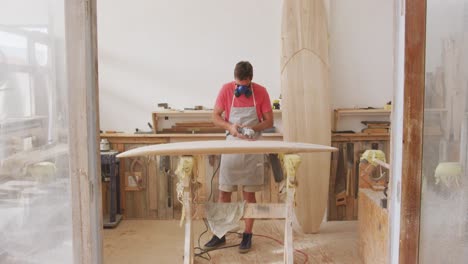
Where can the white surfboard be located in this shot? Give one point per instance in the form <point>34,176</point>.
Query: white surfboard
<point>214,147</point>
<point>306,102</point>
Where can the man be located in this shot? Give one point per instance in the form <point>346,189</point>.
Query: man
<point>245,105</point>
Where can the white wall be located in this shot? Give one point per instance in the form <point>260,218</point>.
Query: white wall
<point>24,12</point>
<point>361,55</point>
<point>180,52</point>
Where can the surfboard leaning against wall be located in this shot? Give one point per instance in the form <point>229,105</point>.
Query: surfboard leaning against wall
<point>306,102</point>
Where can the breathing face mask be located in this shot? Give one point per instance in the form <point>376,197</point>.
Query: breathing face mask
<point>243,89</point>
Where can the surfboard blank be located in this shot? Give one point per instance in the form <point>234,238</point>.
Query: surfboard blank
<point>214,147</point>
<point>306,102</point>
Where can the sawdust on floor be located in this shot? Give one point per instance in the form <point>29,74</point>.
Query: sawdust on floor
<point>162,241</point>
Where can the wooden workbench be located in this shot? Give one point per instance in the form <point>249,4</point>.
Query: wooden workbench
<point>344,173</point>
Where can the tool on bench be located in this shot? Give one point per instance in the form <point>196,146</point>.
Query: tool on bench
<point>139,131</point>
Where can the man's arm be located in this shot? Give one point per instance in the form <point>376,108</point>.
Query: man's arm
<point>266,123</point>
<point>220,122</point>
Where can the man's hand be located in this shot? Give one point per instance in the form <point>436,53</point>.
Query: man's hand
<point>233,130</point>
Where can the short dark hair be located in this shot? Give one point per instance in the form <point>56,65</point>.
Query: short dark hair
<point>243,71</point>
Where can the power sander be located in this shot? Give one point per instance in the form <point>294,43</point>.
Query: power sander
<point>246,131</point>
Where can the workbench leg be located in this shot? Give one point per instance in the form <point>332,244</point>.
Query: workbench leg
<point>291,163</point>
<point>185,173</point>
<point>188,247</point>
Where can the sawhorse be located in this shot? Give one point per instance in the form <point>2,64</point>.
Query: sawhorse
<point>285,210</point>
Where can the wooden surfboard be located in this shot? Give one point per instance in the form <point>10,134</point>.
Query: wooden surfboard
<point>306,102</point>
<point>214,147</point>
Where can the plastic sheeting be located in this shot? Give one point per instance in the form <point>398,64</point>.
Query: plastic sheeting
<point>444,203</point>
<point>35,199</point>
<point>224,217</point>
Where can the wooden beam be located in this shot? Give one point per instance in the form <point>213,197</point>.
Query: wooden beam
<point>256,211</point>
<point>81,51</point>
<point>413,113</point>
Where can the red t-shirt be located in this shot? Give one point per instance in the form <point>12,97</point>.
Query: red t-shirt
<point>226,94</point>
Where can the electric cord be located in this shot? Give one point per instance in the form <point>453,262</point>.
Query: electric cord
<point>211,182</point>
<point>204,251</point>
<point>279,242</point>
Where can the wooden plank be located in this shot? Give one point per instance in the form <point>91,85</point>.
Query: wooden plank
<point>127,137</point>
<point>161,190</point>
<point>119,138</point>
<point>123,138</point>
<point>357,161</point>
<point>188,241</point>
<point>265,211</point>
<point>200,172</point>
<point>206,113</point>
<point>154,118</point>
<point>226,147</point>
<point>349,160</point>
<point>257,211</point>
<point>413,115</point>
<point>288,232</point>
<point>152,187</point>
<point>359,111</point>
<point>195,124</point>
<point>373,228</point>
<point>164,201</point>
<point>305,89</point>
<point>194,130</point>
<point>83,97</point>
<point>359,137</point>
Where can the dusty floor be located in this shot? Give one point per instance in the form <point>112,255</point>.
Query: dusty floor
<point>151,241</point>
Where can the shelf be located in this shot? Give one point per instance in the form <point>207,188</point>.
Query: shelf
<point>192,112</point>
<point>192,115</point>
<point>358,112</point>
<point>351,137</point>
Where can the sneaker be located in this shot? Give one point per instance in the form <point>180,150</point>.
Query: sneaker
<point>246,243</point>
<point>215,242</point>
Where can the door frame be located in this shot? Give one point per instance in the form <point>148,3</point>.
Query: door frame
<point>407,130</point>
<point>82,78</point>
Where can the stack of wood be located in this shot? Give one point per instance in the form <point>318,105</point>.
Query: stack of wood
<point>194,128</point>
<point>376,127</point>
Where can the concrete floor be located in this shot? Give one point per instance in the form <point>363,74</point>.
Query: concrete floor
<point>161,241</point>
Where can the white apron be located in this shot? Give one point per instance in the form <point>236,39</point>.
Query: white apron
<point>242,169</point>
